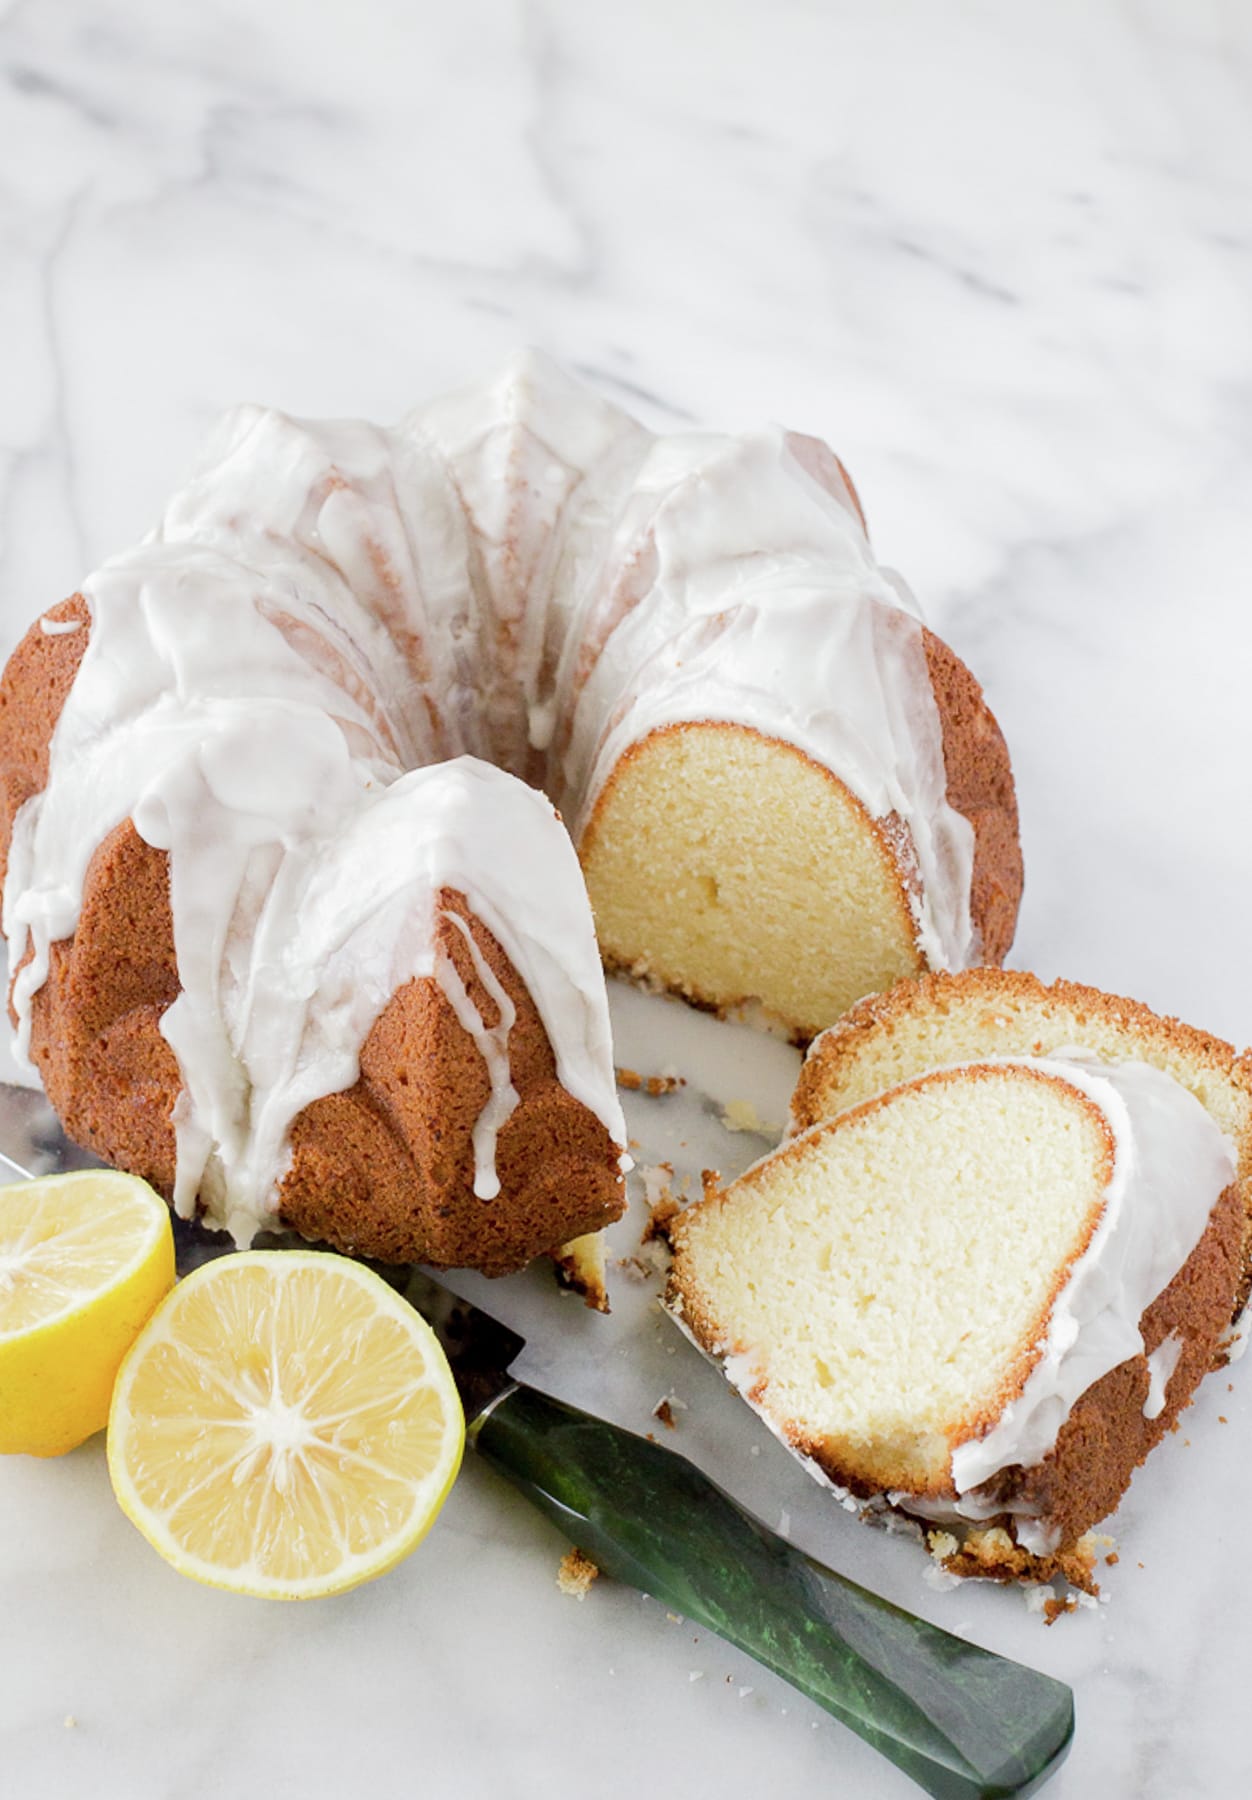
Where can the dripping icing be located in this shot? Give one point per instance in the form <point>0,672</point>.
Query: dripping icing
<point>493,1046</point>
<point>1161,1365</point>
<point>313,616</point>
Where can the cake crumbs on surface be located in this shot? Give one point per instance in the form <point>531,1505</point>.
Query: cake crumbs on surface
<point>1112,1559</point>
<point>1053,1609</point>
<point>653,1085</point>
<point>576,1574</point>
<point>70,1722</point>
<point>660,1199</point>
<point>659,1218</point>
<point>991,1554</point>
<point>1222,1419</point>
<point>741,1115</point>
<point>652,1260</point>
<point>664,1411</point>
<point>657,1178</point>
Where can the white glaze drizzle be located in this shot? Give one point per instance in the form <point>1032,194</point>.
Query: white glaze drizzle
<point>59,627</point>
<point>493,1046</point>
<point>318,611</point>
<point>1161,1365</point>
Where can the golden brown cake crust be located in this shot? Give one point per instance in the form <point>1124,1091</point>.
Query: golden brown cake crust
<point>976,764</point>
<point>33,689</point>
<point>385,1168</point>
<point>980,788</point>
<point>936,992</point>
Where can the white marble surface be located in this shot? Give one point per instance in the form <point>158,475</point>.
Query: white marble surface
<point>1002,257</point>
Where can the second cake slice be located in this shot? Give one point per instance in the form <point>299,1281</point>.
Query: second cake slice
<point>982,1294</point>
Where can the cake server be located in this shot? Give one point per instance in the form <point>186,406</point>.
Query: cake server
<point>964,1723</point>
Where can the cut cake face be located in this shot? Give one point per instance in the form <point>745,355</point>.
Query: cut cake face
<point>733,869</point>
<point>885,1282</point>
<point>919,1294</point>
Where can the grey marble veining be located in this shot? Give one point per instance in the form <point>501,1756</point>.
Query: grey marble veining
<point>1002,258</point>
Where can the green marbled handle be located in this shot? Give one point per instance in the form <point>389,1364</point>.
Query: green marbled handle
<point>961,1721</point>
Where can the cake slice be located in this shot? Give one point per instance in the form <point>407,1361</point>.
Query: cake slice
<point>980,1296</point>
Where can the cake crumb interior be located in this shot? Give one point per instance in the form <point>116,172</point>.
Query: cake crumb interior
<point>728,866</point>
<point>888,1275</point>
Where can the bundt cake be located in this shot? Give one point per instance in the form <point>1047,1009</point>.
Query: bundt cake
<point>290,933</point>
<point>999,1249</point>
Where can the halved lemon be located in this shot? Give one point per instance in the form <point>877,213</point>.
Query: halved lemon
<point>285,1426</point>
<point>84,1258</point>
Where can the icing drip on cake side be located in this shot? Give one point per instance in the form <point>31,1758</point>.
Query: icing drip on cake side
<point>520,574</point>
<point>1161,1365</point>
<point>493,1047</point>
<point>303,869</point>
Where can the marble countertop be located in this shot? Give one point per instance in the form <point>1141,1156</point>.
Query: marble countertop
<point>1002,258</point>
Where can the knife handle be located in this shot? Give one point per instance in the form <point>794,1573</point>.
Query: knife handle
<point>964,1723</point>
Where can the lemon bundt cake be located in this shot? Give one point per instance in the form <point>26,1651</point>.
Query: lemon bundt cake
<point>994,1258</point>
<point>291,935</point>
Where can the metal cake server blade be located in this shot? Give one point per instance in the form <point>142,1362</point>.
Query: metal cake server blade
<point>964,1723</point>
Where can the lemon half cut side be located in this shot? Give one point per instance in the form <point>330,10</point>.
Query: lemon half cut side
<point>84,1259</point>
<point>285,1426</point>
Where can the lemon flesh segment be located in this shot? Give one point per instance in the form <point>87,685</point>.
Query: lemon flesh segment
<point>84,1259</point>
<point>286,1426</point>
